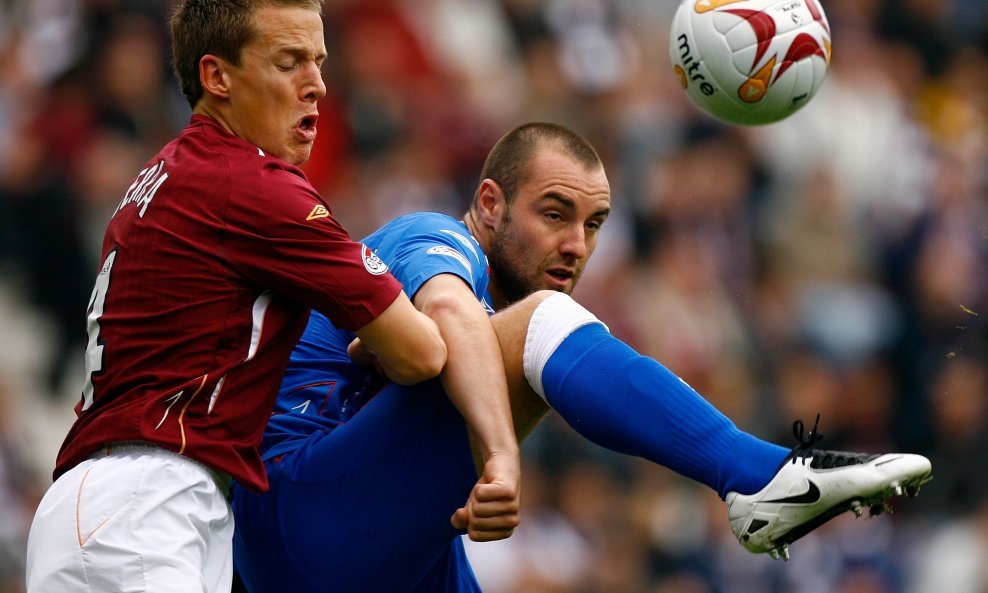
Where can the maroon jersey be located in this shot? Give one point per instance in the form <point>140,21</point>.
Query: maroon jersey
<point>209,267</point>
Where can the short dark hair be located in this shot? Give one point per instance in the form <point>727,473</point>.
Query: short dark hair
<point>508,163</point>
<point>218,27</point>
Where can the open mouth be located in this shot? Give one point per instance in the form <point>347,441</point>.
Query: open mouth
<point>560,275</point>
<point>306,127</point>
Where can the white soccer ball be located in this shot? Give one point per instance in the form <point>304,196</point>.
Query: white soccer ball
<point>750,61</point>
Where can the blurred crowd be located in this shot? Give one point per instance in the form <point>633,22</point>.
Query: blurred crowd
<point>835,263</point>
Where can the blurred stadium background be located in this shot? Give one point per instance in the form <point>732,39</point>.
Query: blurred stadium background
<point>835,263</point>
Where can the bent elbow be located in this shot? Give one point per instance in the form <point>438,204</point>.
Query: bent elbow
<point>435,363</point>
<point>424,362</point>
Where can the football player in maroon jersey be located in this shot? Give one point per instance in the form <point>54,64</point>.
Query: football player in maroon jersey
<point>209,268</point>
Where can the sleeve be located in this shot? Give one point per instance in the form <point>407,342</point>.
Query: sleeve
<point>428,245</point>
<point>282,235</point>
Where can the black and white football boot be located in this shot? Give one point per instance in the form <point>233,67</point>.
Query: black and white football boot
<point>813,486</point>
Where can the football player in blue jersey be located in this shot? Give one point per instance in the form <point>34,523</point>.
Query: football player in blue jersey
<point>373,482</point>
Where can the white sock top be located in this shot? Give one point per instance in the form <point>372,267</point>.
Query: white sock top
<point>552,321</point>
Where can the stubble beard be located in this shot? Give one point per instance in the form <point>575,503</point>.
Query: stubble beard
<point>507,260</point>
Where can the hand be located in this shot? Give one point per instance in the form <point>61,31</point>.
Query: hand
<point>360,354</point>
<point>492,511</point>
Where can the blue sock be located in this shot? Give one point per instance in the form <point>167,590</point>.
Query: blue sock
<point>631,404</point>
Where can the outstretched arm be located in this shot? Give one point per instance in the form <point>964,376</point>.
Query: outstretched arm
<point>475,383</point>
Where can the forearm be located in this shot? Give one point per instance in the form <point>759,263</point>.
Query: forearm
<point>474,378</point>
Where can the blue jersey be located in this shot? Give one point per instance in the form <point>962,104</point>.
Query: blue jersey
<point>322,388</point>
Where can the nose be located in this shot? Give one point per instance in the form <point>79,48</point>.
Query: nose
<point>575,243</point>
<point>313,86</point>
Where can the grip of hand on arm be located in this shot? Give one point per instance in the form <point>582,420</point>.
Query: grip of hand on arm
<point>407,344</point>
<point>475,383</point>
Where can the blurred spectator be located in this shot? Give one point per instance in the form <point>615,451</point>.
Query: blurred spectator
<point>43,242</point>
<point>959,392</point>
<point>954,558</point>
<point>20,492</point>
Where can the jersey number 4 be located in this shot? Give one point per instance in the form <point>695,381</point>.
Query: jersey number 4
<point>94,348</point>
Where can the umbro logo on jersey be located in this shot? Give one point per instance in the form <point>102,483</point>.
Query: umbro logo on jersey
<point>811,496</point>
<point>319,211</point>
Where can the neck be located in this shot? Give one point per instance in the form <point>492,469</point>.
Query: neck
<point>202,108</point>
<point>470,220</point>
<point>482,235</point>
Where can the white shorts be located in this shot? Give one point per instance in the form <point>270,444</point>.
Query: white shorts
<point>137,519</point>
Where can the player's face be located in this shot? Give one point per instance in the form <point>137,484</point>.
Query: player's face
<point>273,93</point>
<point>549,230</point>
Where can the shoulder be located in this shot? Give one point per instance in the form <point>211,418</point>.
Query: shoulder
<point>420,222</point>
<point>419,246</point>
<point>436,226</point>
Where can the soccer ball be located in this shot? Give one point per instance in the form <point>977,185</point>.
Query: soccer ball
<point>750,61</point>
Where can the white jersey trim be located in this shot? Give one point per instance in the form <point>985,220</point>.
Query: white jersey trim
<point>257,315</point>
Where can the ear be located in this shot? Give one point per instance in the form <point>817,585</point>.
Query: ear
<point>214,76</point>
<point>490,204</point>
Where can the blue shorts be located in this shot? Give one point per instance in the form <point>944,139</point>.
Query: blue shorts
<point>366,506</point>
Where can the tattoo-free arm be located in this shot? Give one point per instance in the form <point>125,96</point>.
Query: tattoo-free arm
<point>474,380</point>
<point>407,345</point>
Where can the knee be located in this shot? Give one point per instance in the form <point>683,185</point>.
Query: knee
<point>554,317</point>
<point>536,298</point>
<point>524,308</point>
<point>511,324</point>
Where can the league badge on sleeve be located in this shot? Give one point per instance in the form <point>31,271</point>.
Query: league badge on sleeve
<point>372,262</point>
